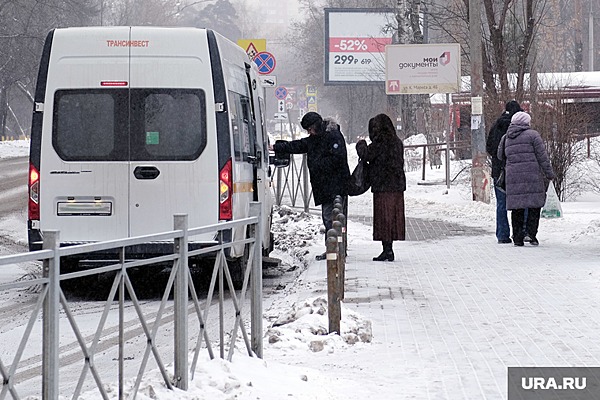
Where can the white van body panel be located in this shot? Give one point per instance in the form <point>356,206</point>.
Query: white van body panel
<point>76,64</point>
<point>181,61</point>
<point>95,200</point>
<point>230,57</point>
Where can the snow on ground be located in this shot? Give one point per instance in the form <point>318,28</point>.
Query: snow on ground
<point>297,346</point>
<point>14,148</point>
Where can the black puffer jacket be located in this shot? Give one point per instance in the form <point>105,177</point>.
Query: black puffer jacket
<point>327,161</point>
<point>493,140</point>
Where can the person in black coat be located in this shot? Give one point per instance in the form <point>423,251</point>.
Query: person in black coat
<point>385,159</point>
<point>327,162</point>
<point>493,140</point>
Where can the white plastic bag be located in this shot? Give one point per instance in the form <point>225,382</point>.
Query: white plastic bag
<point>552,208</point>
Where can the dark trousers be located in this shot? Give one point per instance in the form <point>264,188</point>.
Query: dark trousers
<point>532,222</point>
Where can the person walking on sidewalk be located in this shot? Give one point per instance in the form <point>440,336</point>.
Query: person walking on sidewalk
<point>493,140</point>
<point>327,161</point>
<point>385,160</point>
<point>528,172</point>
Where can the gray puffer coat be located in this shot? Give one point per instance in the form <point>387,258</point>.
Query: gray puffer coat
<point>528,167</point>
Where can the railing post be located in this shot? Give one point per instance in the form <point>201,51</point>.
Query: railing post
<point>50,334</point>
<point>424,162</point>
<point>121,377</point>
<point>279,192</point>
<point>305,183</point>
<point>334,311</point>
<point>256,317</point>
<point>181,304</point>
<point>447,155</point>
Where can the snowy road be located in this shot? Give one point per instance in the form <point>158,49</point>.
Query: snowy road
<point>16,307</point>
<point>13,185</point>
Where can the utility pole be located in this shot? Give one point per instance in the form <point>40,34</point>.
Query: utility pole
<point>591,52</point>
<point>397,104</point>
<point>480,176</point>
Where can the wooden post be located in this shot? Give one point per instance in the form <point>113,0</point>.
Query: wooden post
<point>333,298</point>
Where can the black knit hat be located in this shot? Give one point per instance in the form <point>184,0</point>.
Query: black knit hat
<point>513,107</point>
<point>310,118</point>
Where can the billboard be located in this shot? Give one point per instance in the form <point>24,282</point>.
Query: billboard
<point>355,41</point>
<point>422,68</point>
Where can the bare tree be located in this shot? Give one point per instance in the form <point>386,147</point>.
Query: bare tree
<point>139,12</point>
<point>219,15</point>
<point>354,104</point>
<point>24,27</point>
<point>563,125</point>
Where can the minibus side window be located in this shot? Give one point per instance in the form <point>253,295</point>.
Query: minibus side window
<point>249,137</point>
<point>239,111</point>
<point>236,123</point>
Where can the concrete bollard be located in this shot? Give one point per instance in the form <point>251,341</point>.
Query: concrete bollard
<point>333,297</point>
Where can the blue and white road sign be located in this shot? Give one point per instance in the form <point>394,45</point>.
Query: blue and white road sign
<point>281,92</point>
<point>265,62</point>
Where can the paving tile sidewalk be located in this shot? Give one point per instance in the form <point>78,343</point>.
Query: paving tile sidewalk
<point>451,314</point>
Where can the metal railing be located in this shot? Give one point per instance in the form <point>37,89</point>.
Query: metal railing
<point>52,297</point>
<point>446,147</point>
<point>293,181</point>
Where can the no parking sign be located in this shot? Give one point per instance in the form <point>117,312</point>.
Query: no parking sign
<point>281,93</point>
<point>265,62</point>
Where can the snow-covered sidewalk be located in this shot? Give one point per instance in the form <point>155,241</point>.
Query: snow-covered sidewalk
<point>443,321</point>
<point>449,316</point>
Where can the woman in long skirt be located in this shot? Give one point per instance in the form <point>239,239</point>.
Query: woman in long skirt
<point>385,159</point>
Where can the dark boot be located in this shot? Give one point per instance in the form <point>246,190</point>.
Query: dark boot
<point>389,251</point>
<point>387,254</point>
<point>517,219</point>
<point>518,241</point>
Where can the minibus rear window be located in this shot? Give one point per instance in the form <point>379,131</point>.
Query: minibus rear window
<point>87,125</point>
<point>119,124</point>
<point>168,124</point>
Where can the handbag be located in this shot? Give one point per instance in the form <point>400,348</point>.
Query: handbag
<point>500,182</point>
<point>359,180</point>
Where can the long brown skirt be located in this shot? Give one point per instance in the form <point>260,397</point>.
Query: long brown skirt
<point>388,216</point>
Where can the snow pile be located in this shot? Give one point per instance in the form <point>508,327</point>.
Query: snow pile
<point>243,378</point>
<point>294,231</point>
<point>14,148</point>
<point>306,324</point>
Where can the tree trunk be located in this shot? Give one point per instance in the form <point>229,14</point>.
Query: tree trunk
<point>525,49</point>
<point>3,111</point>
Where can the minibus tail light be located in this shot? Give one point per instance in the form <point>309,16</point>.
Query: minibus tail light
<point>34,193</point>
<point>225,192</point>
